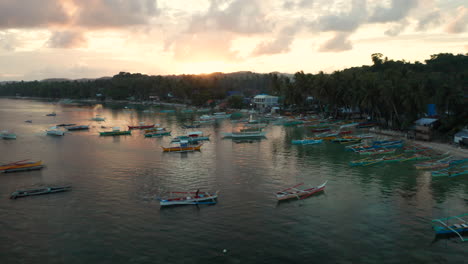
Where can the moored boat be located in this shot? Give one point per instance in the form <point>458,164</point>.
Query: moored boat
<point>247,134</point>
<point>20,165</point>
<point>184,146</point>
<point>115,132</point>
<point>141,126</point>
<point>74,128</point>
<point>306,141</point>
<point>55,131</point>
<point>445,228</point>
<point>40,191</point>
<point>294,192</point>
<point>7,135</point>
<point>193,136</point>
<point>186,198</point>
<point>98,118</point>
<point>158,133</point>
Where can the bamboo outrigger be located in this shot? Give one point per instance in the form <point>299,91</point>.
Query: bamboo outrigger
<point>460,228</point>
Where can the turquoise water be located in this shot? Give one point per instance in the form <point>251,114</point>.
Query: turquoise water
<point>378,214</point>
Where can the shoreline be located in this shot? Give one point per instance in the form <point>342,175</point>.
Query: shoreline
<point>437,146</point>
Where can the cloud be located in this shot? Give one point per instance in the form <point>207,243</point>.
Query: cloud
<point>433,18</point>
<point>344,22</point>
<point>206,46</point>
<point>338,43</point>
<point>291,4</point>
<point>279,45</point>
<point>9,41</point>
<point>36,13</point>
<point>67,39</point>
<point>397,28</point>
<point>114,13</point>
<point>460,23</point>
<point>398,10</point>
<point>240,16</point>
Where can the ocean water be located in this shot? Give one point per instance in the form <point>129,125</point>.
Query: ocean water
<point>378,214</point>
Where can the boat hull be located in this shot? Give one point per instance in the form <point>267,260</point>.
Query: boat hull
<point>20,165</point>
<point>25,193</point>
<point>141,127</point>
<point>182,149</point>
<point>300,194</point>
<point>205,198</point>
<point>115,133</point>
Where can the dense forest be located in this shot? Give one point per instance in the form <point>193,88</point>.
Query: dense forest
<point>393,92</point>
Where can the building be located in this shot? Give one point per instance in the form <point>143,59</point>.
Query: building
<point>264,101</point>
<point>424,128</point>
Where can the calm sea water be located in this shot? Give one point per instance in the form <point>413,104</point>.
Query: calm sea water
<point>366,215</point>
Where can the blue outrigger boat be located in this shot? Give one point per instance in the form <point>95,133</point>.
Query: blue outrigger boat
<point>306,141</point>
<point>444,228</point>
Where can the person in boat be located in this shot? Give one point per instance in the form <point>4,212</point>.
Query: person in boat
<point>196,194</point>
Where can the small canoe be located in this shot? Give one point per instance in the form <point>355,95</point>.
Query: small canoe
<point>185,198</point>
<point>47,190</point>
<point>294,192</point>
<point>59,125</point>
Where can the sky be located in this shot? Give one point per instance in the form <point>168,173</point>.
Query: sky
<point>74,39</point>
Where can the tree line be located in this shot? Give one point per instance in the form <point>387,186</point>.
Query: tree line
<point>392,91</point>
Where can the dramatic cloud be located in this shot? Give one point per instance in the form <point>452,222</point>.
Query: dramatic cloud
<point>460,23</point>
<point>240,16</point>
<point>430,19</point>
<point>31,14</point>
<point>344,22</point>
<point>67,39</point>
<point>398,9</point>
<point>280,45</point>
<point>338,43</point>
<point>114,13</point>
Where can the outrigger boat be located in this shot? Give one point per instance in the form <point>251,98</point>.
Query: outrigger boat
<point>247,134</point>
<point>306,141</point>
<point>21,165</point>
<point>141,126</point>
<point>294,192</point>
<point>47,190</point>
<point>185,198</point>
<point>115,132</point>
<point>7,135</point>
<point>442,228</point>
<point>192,137</point>
<point>183,147</point>
<point>76,128</point>
<point>158,133</point>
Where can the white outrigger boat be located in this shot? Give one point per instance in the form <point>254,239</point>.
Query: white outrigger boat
<point>294,192</point>
<point>184,198</point>
<point>445,228</point>
<point>55,131</point>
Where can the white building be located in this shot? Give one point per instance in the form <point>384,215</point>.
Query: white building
<point>263,101</point>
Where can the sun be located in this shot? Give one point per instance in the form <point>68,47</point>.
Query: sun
<point>204,67</point>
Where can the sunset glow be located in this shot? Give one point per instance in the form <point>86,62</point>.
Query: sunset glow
<point>94,38</point>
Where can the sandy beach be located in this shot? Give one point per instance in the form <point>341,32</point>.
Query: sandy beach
<point>440,147</point>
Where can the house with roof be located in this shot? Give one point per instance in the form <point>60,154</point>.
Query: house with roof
<point>265,102</point>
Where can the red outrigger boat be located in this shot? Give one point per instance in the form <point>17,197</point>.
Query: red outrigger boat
<point>141,127</point>
<point>293,192</point>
